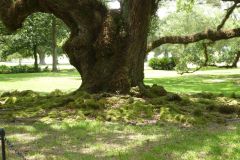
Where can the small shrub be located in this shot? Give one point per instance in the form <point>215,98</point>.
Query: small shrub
<point>4,69</point>
<point>17,69</point>
<point>162,63</point>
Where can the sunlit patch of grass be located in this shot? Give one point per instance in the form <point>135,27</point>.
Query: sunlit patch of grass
<point>40,82</point>
<point>217,84</point>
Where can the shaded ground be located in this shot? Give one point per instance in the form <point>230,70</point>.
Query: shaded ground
<point>91,140</point>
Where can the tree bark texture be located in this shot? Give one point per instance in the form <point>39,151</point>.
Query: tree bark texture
<point>107,47</point>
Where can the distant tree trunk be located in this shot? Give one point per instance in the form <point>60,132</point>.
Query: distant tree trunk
<point>35,58</point>
<point>236,60</point>
<point>42,57</point>
<point>166,54</point>
<point>20,61</point>
<point>54,44</point>
<point>205,55</point>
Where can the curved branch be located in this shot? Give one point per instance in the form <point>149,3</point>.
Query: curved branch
<point>209,35</point>
<point>13,13</point>
<point>229,12</point>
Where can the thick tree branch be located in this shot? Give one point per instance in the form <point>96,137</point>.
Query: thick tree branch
<point>209,35</point>
<point>14,13</point>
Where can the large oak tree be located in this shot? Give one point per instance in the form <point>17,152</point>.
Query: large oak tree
<point>107,47</point>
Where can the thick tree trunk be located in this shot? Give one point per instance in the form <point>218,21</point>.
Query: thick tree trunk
<point>139,21</point>
<point>54,44</point>
<point>35,58</point>
<point>116,60</point>
<point>106,47</point>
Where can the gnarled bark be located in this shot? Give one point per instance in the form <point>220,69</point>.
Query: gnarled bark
<point>106,47</point>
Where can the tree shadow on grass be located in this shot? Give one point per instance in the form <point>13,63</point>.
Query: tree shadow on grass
<point>96,140</point>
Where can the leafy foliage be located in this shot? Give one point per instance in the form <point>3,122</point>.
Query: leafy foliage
<point>17,69</point>
<point>36,31</point>
<point>193,55</point>
<point>162,63</point>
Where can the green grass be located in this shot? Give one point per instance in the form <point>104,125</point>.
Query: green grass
<point>92,140</point>
<point>40,82</point>
<point>69,81</point>
<point>225,84</point>
<point>55,127</point>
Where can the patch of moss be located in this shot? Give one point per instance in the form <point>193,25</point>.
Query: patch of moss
<point>197,112</point>
<point>205,95</point>
<point>173,97</point>
<point>157,101</point>
<point>227,109</point>
<point>11,100</point>
<point>56,93</point>
<point>211,107</point>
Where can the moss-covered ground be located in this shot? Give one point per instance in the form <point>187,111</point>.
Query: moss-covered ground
<point>73,126</point>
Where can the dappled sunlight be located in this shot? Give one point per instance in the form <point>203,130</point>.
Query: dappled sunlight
<point>25,138</point>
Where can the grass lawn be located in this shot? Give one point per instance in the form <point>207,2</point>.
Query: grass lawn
<point>55,127</point>
<point>225,84</point>
<point>216,81</point>
<point>91,140</point>
<point>40,82</point>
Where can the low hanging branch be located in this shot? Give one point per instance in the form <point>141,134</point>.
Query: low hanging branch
<point>207,35</point>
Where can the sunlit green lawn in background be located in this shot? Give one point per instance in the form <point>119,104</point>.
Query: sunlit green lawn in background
<point>40,82</point>
<point>226,82</point>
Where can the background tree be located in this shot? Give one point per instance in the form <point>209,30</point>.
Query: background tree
<point>202,53</point>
